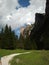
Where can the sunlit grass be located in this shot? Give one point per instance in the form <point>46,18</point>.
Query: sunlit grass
<point>4,52</point>
<point>33,58</point>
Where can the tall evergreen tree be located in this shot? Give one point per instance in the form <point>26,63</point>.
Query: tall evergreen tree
<point>8,38</point>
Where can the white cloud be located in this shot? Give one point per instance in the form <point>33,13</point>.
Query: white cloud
<point>16,18</point>
<point>0,1</point>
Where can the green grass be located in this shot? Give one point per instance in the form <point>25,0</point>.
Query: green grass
<point>33,58</point>
<point>4,52</point>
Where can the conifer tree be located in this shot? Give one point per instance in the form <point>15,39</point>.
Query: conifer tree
<point>8,38</point>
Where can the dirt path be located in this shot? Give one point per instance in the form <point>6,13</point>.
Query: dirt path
<point>5,60</point>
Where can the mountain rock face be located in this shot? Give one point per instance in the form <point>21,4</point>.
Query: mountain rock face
<point>39,21</point>
<point>22,30</point>
<point>40,32</point>
<point>45,26</point>
<point>47,7</point>
<point>25,31</point>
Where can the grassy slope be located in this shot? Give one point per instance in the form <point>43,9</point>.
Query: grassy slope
<point>4,52</point>
<point>34,58</point>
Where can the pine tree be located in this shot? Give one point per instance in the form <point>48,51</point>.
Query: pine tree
<point>8,40</point>
<point>1,37</point>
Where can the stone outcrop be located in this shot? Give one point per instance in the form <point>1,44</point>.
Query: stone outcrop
<point>25,31</point>
<point>39,21</point>
<point>42,21</point>
<point>40,32</point>
<point>47,8</point>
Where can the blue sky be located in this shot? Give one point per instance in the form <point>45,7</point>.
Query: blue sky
<point>17,32</point>
<point>16,13</point>
<point>24,3</point>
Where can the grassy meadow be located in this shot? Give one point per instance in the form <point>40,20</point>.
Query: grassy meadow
<point>34,58</point>
<point>4,52</point>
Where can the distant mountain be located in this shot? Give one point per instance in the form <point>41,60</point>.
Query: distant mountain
<point>26,31</point>
<point>21,29</point>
